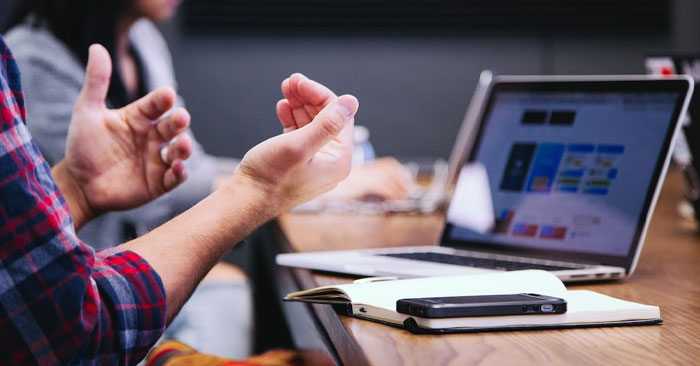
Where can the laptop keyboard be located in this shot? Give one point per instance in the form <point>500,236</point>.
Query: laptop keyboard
<point>488,263</point>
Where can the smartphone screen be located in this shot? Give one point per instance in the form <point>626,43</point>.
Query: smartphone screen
<point>485,305</point>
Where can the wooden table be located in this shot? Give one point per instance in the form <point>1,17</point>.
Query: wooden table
<point>667,275</point>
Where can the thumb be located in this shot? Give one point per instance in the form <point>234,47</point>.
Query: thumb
<point>97,75</point>
<point>328,124</point>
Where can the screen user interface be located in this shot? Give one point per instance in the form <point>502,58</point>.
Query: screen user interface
<point>568,171</point>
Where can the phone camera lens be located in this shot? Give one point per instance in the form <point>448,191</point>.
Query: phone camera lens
<point>524,308</point>
<point>536,308</point>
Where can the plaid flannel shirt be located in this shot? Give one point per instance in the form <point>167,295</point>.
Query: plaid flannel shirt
<point>60,303</point>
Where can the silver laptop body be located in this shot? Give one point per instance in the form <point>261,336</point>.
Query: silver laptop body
<point>559,173</point>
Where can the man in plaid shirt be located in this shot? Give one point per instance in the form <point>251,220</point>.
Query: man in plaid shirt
<point>61,303</point>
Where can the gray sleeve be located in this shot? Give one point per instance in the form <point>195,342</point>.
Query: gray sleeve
<point>50,95</point>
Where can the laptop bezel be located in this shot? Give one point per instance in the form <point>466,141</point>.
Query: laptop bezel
<point>680,84</point>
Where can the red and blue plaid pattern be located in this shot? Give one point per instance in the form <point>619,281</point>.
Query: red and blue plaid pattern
<point>60,303</point>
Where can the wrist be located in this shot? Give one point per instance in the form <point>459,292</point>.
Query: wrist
<point>79,207</point>
<point>258,197</point>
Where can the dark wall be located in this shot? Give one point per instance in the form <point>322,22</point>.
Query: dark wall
<point>4,9</point>
<point>413,89</point>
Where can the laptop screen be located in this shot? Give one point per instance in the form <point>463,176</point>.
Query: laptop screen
<point>567,170</point>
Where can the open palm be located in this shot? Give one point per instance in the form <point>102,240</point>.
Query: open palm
<point>114,155</point>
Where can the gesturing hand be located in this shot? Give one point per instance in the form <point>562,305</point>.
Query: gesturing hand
<point>304,99</point>
<point>310,158</point>
<point>113,158</point>
<point>384,178</point>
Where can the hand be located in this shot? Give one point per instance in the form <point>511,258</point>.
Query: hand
<point>382,179</point>
<point>113,158</point>
<point>304,99</point>
<point>385,178</point>
<point>310,158</point>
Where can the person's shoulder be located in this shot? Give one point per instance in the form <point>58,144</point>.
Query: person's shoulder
<point>35,46</point>
<point>157,61</point>
<point>145,34</point>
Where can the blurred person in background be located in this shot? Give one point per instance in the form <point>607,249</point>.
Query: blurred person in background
<point>50,41</point>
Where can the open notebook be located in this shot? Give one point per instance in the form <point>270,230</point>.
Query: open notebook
<point>377,301</point>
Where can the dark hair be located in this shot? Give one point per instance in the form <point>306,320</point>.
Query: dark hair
<point>78,24</point>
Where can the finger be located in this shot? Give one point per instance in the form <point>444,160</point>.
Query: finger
<point>285,88</point>
<point>297,101</point>
<point>385,193</point>
<point>97,75</point>
<point>298,113</point>
<point>384,185</point>
<point>175,175</point>
<point>143,112</point>
<point>398,188</point>
<point>315,97</point>
<point>284,113</point>
<point>306,97</point>
<point>314,93</point>
<point>289,89</point>
<point>180,149</point>
<point>299,90</point>
<point>174,124</point>
<point>328,124</point>
<point>397,174</point>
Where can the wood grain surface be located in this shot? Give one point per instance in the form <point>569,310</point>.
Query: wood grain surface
<point>667,275</point>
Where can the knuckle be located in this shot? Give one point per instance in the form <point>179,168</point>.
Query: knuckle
<point>333,123</point>
<point>293,152</point>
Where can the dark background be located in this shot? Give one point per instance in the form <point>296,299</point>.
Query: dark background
<point>413,64</point>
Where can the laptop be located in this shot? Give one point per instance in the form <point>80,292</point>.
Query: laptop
<point>559,173</point>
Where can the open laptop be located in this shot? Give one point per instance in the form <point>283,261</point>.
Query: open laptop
<point>566,171</point>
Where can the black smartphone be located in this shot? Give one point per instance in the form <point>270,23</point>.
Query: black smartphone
<point>486,305</point>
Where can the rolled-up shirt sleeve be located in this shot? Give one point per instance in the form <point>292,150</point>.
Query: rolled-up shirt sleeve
<point>60,302</point>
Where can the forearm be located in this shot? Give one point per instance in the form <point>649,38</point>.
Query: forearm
<point>184,249</point>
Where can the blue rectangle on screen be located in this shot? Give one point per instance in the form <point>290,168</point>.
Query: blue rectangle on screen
<point>580,148</point>
<point>568,189</point>
<point>575,173</point>
<point>610,149</point>
<point>544,168</point>
<point>519,228</point>
<point>597,191</point>
<point>547,230</point>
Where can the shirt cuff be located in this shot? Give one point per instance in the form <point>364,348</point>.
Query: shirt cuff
<point>133,297</point>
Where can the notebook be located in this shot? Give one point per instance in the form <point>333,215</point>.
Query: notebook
<point>376,301</point>
<point>559,173</point>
